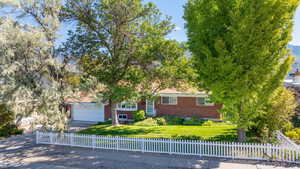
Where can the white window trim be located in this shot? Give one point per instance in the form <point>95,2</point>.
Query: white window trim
<point>205,104</point>
<point>127,109</point>
<point>122,119</point>
<point>153,107</point>
<point>169,103</point>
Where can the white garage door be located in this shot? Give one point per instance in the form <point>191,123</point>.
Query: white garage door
<point>88,112</point>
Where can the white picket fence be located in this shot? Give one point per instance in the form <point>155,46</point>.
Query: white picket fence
<point>285,141</point>
<point>253,151</point>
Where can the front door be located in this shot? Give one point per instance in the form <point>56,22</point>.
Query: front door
<point>150,108</point>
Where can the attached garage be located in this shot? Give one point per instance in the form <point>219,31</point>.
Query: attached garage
<point>88,112</point>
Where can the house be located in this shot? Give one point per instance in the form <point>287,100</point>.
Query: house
<point>169,102</point>
<point>294,85</point>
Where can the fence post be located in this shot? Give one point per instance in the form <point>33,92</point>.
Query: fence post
<point>37,137</point>
<point>170,146</point>
<point>268,150</point>
<point>233,150</point>
<point>200,148</point>
<point>93,141</point>
<point>72,139</point>
<point>118,142</point>
<point>143,145</point>
<point>51,137</point>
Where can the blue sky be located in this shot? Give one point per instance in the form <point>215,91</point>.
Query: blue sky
<point>296,33</point>
<point>174,8</point>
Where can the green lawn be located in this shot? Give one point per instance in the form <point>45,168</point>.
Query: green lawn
<point>222,132</point>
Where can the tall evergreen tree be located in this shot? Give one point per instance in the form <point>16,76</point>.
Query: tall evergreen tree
<point>240,49</point>
<point>122,45</point>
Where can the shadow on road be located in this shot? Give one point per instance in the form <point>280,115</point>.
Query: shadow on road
<point>22,152</point>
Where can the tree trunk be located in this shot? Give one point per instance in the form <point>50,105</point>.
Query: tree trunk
<point>241,135</point>
<point>241,130</point>
<point>114,113</point>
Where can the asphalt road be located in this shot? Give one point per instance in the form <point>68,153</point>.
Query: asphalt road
<point>22,152</point>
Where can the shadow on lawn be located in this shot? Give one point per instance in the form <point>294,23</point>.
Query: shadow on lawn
<point>116,131</point>
<point>228,136</point>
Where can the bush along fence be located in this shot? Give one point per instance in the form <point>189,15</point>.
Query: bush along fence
<point>253,151</point>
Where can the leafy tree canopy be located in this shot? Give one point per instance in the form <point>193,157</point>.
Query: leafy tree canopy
<point>31,76</point>
<point>122,44</point>
<point>240,49</point>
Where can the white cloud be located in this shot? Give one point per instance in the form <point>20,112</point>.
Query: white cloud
<point>177,28</point>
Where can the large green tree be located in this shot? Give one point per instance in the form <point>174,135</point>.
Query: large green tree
<point>32,76</point>
<point>240,51</point>
<point>122,45</point>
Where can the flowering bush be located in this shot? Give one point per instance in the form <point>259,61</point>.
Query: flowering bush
<point>294,134</point>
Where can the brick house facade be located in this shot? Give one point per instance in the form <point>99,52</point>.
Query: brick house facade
<point>168,102</point>
<point>185,107</point>
<point>140,106</point>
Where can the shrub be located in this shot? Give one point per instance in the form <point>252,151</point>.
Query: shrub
<point>174,120</point>
<point>187,137</point>
<point>6,116</point>
<point>275,114</point>
<point>293,134</point>
<point>139,115</point>
<point>224,137</point>
<point>9,130</point>
<point>208,123</point>
<point>161,121</point>
<point>147,122</point>
<point>7,126</point>
<point>193,121</point>
<point>188,121</point>
<point>295,120</point>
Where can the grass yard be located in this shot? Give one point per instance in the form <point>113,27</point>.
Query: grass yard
<point>216,132</point>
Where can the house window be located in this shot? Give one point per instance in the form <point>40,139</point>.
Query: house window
<point>122,117</point>
<point>168,100</point>
<point>204,101</point>
<point>127,106</point>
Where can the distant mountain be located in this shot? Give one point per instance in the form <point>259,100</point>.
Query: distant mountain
<point>296,52</point>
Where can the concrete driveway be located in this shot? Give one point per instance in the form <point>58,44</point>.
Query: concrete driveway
<point>22,152</point>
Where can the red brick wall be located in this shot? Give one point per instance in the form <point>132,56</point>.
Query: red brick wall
<point>141,106</point>
<point>186,107</point>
